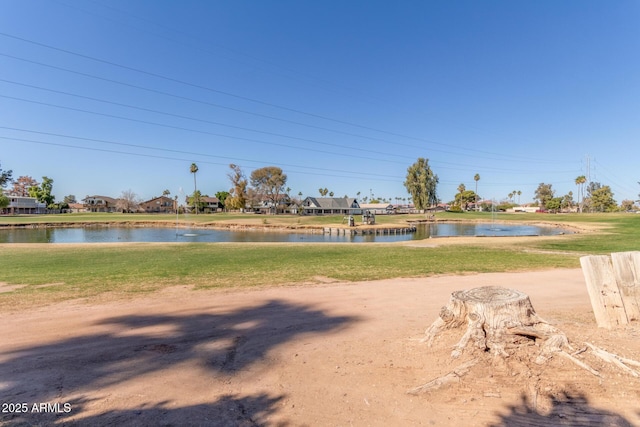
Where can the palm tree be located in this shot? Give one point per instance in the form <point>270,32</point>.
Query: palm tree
<point>461,189</point>
<point>519,193</point>
<point>580,183</point>
<point>476,178</point>
<point>194,169</point>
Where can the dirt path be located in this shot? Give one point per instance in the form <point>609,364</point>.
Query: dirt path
<point>331,355</point>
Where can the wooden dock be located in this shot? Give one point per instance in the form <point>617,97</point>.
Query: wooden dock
<point>353,231</point>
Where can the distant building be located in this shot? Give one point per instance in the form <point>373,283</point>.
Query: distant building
<point>211,204</point>
<point>75,208</point>
<point>162,204</point>
<point>208,204</point>
<point>100,204</point>
<point>378,208</point>
<point>25,205</point>
<point>331,205</point>
<point>264,204</point>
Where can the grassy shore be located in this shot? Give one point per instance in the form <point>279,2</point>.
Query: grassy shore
<point>46,273</point>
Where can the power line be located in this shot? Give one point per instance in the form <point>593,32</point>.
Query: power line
<point>238,110</point>
<point>146,147</point>
<point>113,116</point>
<point>55,144</point>
<point>150,110</point>
<point>245,98</point>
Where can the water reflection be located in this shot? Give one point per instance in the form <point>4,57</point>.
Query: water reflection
<point>98,234</point>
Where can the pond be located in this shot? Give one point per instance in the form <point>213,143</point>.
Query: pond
<point>104,234</point>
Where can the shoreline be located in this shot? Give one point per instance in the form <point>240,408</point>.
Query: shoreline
<point>295,228</point>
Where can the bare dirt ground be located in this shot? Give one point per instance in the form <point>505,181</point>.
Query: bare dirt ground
<point>324,355</point>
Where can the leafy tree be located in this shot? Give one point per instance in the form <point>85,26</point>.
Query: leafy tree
<point>194,170</point>
<point>42,192</point>
<point>331,194</point>
<point>464,198</point>
<point>22,185</point>
<point>129,202</point>
<point>269,182</point>
<point>4,201</point>
<point>166,193</point>
<point>554,204</point>
<point>222,197</point>
<point>602,199</point>
<point>238,191</point>
<point>195,201</point>
<point>543,194</point>
<point>421,184</point>
<point>5,178</point>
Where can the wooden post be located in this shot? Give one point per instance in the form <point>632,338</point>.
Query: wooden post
<point>626,267</point>
<point>606,301</point>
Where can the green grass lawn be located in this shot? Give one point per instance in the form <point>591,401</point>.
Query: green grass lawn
<point>57,272</point>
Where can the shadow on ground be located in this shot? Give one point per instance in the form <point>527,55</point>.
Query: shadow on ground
<point>567,409</point>
<point>221,343</point>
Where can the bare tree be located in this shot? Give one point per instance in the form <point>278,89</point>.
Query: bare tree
<point>128,202</point>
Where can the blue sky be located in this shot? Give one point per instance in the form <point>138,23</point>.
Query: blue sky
<point>105,96</point>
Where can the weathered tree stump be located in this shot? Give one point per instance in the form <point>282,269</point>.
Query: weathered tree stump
<point>497,319</point>
<point>500,321</point>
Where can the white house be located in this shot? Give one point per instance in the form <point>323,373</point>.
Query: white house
<point>378,208</point>
<point>25,205</point>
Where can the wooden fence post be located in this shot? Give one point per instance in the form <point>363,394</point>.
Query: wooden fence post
<point>603,291</point>
<point>626,267</point>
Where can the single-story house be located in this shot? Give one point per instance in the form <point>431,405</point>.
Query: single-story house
<point>331,205</point>
<point>75,208</point>
<point>378,208</point>
<point>524,208</point>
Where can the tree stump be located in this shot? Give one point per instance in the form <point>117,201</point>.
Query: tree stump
<point>500,321</point>
<point>497,319</point>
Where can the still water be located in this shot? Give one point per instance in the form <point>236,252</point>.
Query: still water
<point>99,234</point>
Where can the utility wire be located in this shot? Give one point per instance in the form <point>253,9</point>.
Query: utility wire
<point>183,152</point>
<point>266,116</point>
<point>457,166</point>
<point>55,144</point>
<point>113,116</point>
<point>149,110</point>
<point>241,97</point>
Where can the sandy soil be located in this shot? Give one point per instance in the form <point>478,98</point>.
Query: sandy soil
<point>325,355</point>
